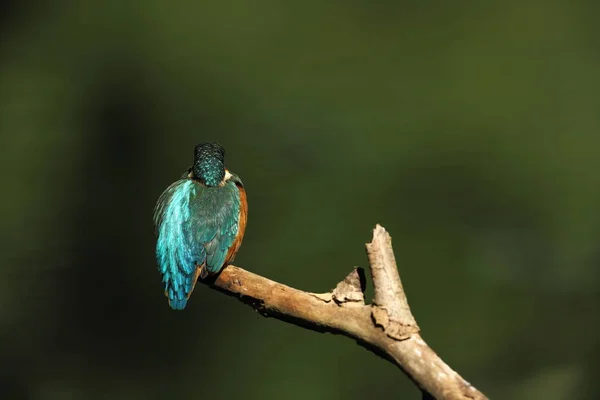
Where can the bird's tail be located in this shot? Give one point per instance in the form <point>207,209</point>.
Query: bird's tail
<point>178,304</point>
<point>179,295</point>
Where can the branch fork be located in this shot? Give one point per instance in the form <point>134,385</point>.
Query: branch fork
<point>386,327</point>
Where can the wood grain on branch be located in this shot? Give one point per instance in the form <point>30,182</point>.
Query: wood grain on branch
<point>386,327</point>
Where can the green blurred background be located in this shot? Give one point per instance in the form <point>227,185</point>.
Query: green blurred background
<point>469,130</point>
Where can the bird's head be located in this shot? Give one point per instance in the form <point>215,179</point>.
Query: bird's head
<point>209,163</point>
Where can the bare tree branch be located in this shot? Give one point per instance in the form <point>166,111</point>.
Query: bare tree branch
<point>386,327</point>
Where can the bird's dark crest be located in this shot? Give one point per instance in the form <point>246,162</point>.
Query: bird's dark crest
<point>209,163</point>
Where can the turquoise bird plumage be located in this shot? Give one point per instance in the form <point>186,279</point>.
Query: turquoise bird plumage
<point>200,222</point>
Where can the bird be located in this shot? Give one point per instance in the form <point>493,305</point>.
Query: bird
<point>200,221</point>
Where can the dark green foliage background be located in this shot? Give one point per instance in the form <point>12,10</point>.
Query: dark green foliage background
<point>470,130</point>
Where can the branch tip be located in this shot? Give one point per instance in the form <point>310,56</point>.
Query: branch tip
<point>388,293</point>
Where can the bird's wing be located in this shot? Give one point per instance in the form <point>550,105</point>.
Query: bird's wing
<point>177,252</point>
<point>243,219</point>
<point>217,221</point>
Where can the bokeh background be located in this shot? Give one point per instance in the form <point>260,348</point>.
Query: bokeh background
<point>470,130</point>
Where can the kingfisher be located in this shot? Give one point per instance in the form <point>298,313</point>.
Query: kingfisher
<point>200,222</point>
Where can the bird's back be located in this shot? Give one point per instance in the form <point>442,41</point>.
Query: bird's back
<point>197,226</point>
